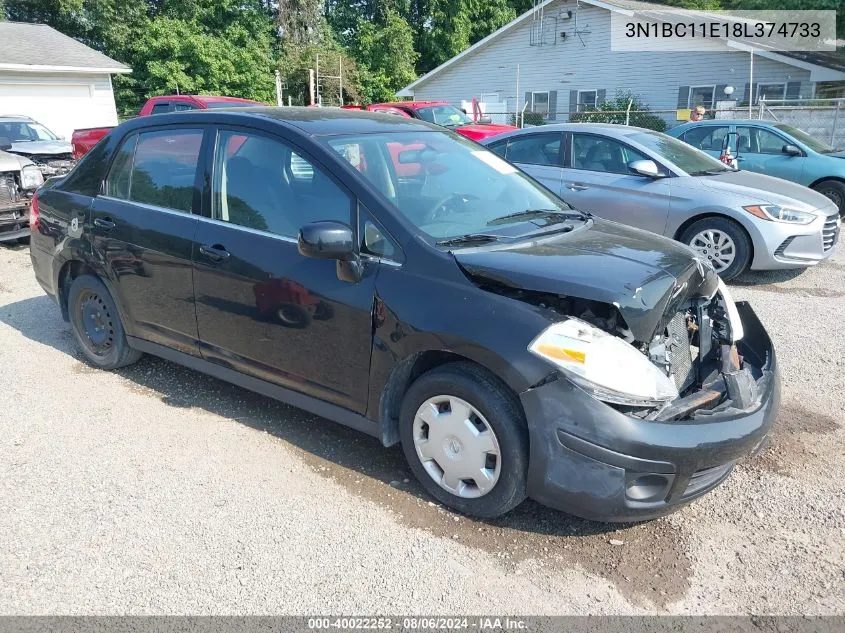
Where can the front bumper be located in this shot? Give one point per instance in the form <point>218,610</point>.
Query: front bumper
<point>592,460</point>
<point>14,222</point>
<point>778,245</point>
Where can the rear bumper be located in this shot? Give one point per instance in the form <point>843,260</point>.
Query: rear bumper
<point>593,461</point>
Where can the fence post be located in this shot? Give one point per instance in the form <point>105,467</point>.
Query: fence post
<point>762,106</point>
<point>833,127</point>
<point>628,112</point>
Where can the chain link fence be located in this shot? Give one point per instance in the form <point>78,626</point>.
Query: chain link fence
<point>822,118</point>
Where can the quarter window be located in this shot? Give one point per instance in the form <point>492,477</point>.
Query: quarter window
<point>598,153</point>
<point>165,168</point>
<point>261,183</point>
<point>117,183</point>
<point>160,107</point>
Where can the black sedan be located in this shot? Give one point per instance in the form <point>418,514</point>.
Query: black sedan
<point>392,276</point>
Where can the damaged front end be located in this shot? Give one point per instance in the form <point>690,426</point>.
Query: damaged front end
<point>51,165</point>
<point>688,330</point>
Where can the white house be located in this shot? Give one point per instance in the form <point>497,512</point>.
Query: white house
<point>54,79</point>
<point>558,59</point>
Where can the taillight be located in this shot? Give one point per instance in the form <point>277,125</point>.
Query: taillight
<point>34,214</point>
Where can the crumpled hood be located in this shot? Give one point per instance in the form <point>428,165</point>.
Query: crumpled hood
<point>44,148</point>
<point>753,188</point>
<point>641,273</point>
<point>12,162</point>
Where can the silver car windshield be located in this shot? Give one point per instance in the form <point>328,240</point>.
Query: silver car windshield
<point>21,132</point>
<point>448,186</point>
<point>684,156</point>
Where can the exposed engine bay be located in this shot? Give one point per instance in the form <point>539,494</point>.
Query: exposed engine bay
<point>51,164</point>
<point>693,345</point>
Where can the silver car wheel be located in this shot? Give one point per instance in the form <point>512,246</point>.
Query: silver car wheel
<point>457,446</point>
<point>717,246</point>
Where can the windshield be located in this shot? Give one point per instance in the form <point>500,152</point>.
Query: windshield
<point>448,186</point>
<point>810,141</point>
<point>22,132</point>
<point>230,104</point>
<point>684,156</point>
<point>445,115</point>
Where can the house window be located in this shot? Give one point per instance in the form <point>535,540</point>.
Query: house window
<point>540,103</point>
<point>587,100</point>
<point>771,92</point>
<point>701,96</point>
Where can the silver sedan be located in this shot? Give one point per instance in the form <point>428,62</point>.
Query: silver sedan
<point>736,219</point>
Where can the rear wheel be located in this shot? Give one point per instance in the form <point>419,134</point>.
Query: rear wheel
<point>835,190</point>
<point>465,440</point>
<point>96,325</point>
<point>722,242</point>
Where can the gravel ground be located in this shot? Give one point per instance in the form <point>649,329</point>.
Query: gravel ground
<point>156,490</point>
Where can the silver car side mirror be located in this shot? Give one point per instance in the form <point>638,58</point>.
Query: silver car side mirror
<point>647,168</point>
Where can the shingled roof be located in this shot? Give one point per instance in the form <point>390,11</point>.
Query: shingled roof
<point>38,47</point>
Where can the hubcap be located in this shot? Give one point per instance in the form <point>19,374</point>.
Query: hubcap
<point>717,247</point>
<point>457,446</point>
<point>96,323</point>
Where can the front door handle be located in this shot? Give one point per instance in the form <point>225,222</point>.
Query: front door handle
<point>215,253</point>
<point>574,186</point>
<point>105,223</point>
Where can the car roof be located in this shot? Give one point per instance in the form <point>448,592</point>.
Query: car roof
<point>729,122</point>
<point>15,117</point>
<point>606,129</point>
<point>311,121</point>
<point>412,104</point>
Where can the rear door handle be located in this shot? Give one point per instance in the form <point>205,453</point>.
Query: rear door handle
<point>105,223</point>
<point>215,253</point>
<point>574,186</point>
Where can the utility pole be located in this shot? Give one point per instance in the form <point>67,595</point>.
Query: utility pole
<point>311,86</point>
<point>279,100</point>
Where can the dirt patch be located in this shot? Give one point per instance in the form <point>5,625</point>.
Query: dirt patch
<point>647,562</point>
<point>651,567</point>
<point>794,445</point>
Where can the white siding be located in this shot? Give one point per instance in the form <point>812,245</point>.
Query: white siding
<point>570,65</point>
<point>62,102</point>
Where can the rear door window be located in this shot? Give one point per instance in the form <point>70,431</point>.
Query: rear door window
<point>535,149</point>
<point>165,167</point>
<point>117,183</point>
<point>160,107</point>
<point>707,137</point>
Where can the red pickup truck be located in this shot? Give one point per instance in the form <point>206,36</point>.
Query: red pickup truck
<point>83,140</point>
<point>442,113</point>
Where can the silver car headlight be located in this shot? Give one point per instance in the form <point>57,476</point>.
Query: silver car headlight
<point>777,213</point>
<point>603,365</point>
<point>31,177</point>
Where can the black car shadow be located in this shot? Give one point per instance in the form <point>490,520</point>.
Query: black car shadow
<point>330,449</point>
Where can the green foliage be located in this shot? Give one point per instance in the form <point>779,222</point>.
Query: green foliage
<point>616,111</point>
<point>386,56</point>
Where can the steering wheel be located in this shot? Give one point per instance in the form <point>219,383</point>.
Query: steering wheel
<point>440,207</point>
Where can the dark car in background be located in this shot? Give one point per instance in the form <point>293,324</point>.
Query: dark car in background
<point>514,346</point>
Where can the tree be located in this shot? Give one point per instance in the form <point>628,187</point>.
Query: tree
<point>385,56</point>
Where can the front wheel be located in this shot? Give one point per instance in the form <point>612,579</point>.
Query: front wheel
<point>464,436</point>
<point>722,242</point>
<point>96,325</point>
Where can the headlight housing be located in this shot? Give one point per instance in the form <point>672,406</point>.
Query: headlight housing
<point>603,365</point>
<point>777,213</point>
<point>31,177</point>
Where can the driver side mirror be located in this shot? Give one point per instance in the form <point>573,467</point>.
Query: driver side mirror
<point>327,240</point>
<point>791,150</point>
<point>5,143</point>
<point>647,168</point>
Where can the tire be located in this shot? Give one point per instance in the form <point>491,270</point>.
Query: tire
<point>835,190</point>
<point>696,236</point>
<point>96,325</point>
<point>293,316</point>
<point>495,417</point>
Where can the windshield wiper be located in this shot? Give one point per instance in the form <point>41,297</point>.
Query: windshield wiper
<point>529,214</point>
<point>471,238</point>
<point>710,172</point>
